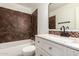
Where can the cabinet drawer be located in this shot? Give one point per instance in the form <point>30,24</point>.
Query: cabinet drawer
<point>40,52</point>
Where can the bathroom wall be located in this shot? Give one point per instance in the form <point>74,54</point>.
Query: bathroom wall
<point>14,25</point>
<point>17,7</point>
<point>43,18</point>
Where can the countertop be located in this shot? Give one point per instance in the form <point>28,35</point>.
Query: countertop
<point>66,41</point>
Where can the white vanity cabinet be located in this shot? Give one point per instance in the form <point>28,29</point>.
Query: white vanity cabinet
<point>40,52</point>
<point>45,47</point>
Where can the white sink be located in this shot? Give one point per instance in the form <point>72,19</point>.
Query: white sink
<point>62,39</point>
<point>70,40</point>
<point>66,40</point>
<point>74,40</point>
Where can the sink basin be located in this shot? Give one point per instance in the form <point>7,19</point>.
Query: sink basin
<point>67,40</point>
<point>76,41</point>
<point>72,40</point>
<point>64,39</point>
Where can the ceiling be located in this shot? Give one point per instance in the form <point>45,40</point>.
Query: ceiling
<point>54,6</point>
<point>33,6</point>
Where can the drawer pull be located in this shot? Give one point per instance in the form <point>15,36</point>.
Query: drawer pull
<point>38,41</point>
<point>50,48</point>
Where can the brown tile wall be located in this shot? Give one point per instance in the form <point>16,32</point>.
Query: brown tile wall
<point>14,25</point>
<point>34,23</point>
<point>72,34</point>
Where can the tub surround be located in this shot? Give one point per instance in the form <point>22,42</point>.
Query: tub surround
<point>34,23</point>
<point>14,25</point>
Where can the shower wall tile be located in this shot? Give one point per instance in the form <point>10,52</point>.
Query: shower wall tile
<point>14,25</point>
<point>34,23</point>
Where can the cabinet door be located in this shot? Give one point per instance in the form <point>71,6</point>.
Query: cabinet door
<point>40,52</point>
<point>70,52</point>
<point>76,53</point>
<point>59,50</point>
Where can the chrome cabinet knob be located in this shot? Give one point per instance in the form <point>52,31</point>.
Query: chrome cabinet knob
<point>38,41</point>
<point>41,55</point>
<point>50,48</point>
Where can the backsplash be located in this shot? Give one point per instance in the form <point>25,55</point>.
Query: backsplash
<point>72,34</point>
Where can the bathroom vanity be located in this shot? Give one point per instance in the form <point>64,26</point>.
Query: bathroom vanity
<point>53,45</point>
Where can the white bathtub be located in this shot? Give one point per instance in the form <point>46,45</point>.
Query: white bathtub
<point>14,48</point>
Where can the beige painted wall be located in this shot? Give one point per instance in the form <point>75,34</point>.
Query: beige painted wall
<point>17,7</point>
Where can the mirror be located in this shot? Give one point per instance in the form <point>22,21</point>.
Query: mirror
<point>64,14</point>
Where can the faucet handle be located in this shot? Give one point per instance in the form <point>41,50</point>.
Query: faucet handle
<point>62,27</point>
<point>67,27</point>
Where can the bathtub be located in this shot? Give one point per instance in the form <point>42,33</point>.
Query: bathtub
<point>14,48</point>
